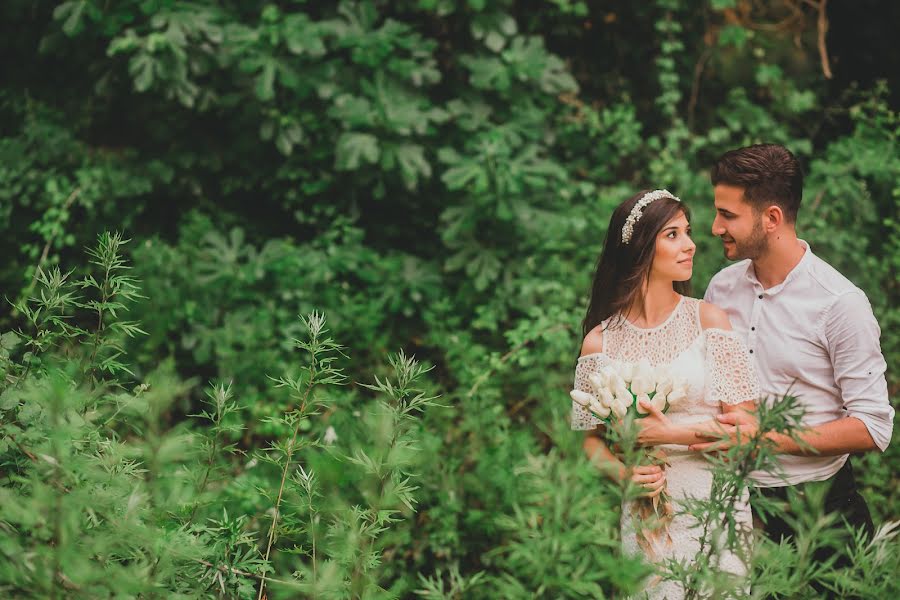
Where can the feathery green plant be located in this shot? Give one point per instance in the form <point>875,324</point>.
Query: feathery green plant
<point>318,372</point>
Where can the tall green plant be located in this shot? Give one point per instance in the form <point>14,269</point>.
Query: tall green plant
<point>318,372</point>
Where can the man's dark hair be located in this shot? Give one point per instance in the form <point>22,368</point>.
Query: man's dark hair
<point>769,174</point>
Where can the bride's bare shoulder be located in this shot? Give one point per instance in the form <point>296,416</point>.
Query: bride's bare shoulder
<point>713,317</point>
<point>593,341</point>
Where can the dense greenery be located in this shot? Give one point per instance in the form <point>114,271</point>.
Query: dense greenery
<point>436,177</point>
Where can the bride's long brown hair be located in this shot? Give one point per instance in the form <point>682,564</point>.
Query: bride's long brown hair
<point>623,269</point>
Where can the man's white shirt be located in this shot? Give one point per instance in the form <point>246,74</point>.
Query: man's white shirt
<point>814,336</point>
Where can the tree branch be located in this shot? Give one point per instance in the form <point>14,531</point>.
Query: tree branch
<point>823,50</point>
<point>695,87</point>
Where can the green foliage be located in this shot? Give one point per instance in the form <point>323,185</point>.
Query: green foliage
<point>104,496</point>
<point>435,175</point>
<point>561,537</point>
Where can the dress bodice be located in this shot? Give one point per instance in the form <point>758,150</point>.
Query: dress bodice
<point>660,345</point>
<point>714,362</point>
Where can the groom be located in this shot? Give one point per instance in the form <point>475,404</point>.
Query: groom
<point>808,328</point>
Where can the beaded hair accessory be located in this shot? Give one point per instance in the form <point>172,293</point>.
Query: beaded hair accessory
<point>636,211</point>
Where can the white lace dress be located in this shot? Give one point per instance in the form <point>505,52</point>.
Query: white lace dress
<point>718,369</point>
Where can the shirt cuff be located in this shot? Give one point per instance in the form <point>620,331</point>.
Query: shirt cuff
<point>879,420</point>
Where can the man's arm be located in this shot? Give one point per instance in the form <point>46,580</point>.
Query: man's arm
<point>852,338</point>
<point>841,436</point>
<point>851,334</point>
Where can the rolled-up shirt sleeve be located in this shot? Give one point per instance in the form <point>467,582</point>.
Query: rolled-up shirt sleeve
<point>852,335</point>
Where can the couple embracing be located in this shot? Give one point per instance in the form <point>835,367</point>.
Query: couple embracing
<point>779,320</point>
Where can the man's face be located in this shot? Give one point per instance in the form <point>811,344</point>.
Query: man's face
<point>737,224</point>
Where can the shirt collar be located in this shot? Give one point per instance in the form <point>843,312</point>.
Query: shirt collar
<point>801,266</point>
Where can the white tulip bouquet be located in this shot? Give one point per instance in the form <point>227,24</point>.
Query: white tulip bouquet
<point>618,389</point>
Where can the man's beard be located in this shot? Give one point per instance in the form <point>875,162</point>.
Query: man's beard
<point>753,247</point>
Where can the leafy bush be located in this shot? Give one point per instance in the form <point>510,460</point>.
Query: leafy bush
<point>435,175</point>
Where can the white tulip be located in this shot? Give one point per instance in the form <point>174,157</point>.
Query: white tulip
<point>615,381</point>
<point>659,402</point>
<point>664,382</point>
<point>597,381</point>
<point>582,398</point>
<point>610,370</point>
<point>643,381</point>
<point>642,385</point>
<point>677,395</point>
<point>599,410</point>
<point>606,397</point>
<point>620,408</point>
<point>626,371</point>
<point>637,403</point>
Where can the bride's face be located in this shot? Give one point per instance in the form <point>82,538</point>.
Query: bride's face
<point>674,258</point>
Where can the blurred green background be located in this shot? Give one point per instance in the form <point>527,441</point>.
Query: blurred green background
<point>436,176</point>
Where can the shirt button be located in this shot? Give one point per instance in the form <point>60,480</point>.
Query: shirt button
<point>753,329</point>
<point>751,351</point>
<point>760,296</point>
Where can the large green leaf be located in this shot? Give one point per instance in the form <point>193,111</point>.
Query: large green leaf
<point>355,149</point>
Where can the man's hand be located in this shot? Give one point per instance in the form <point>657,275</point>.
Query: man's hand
<point>736,427</point>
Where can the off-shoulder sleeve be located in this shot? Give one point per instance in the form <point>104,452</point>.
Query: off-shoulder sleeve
<point>582,419</point>
<point>730,375</point>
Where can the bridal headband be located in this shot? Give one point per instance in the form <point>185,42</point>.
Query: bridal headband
<point>635,214</point>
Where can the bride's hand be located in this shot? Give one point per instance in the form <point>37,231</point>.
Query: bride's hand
<point>652,478</point>
<point>656,428</point>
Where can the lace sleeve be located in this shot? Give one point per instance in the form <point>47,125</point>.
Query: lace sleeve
<point>730,375</point>
<point>582,419</point>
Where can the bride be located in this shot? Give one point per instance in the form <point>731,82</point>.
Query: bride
<point>640,309</point>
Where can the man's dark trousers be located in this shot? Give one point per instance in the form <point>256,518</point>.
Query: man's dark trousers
<point>843,498</point>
